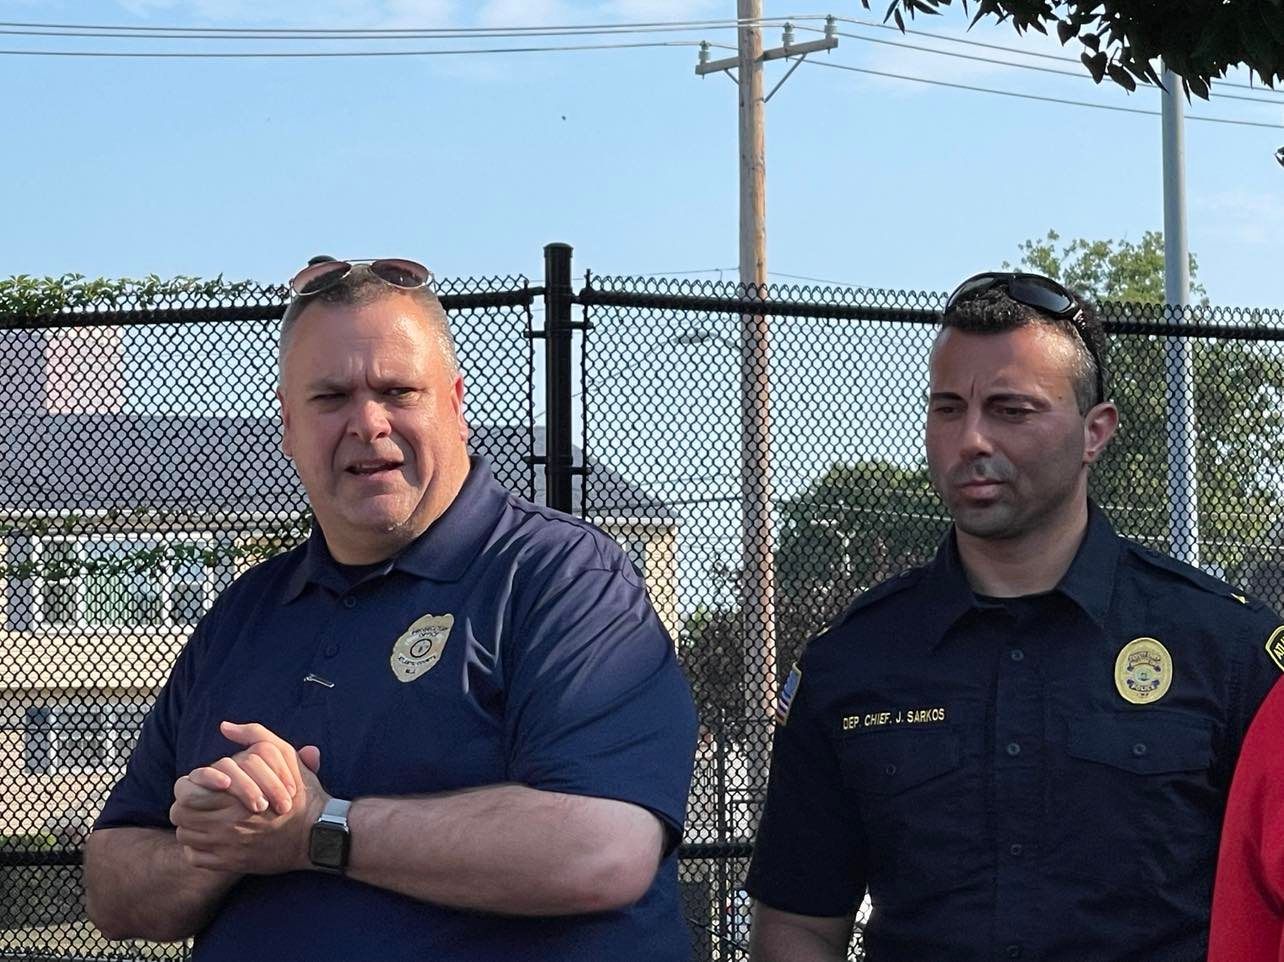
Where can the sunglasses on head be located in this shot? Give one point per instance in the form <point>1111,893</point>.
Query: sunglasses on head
<point>1036,291</point>
<point>323,273</point>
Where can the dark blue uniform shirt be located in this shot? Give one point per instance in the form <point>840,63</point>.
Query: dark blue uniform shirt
<point>555,673</point>
<point>1040,778</point>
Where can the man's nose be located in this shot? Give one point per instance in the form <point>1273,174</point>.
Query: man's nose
<point>975,440</point>
<point>369,420</point>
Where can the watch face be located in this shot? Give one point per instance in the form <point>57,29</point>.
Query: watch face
<point>328,847</point>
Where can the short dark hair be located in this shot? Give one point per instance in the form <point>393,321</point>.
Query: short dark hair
<point>361,286</point>
<point>992,312</point>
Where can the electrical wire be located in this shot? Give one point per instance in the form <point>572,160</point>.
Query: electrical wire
<point>100,31</point>
<point>814,280</point>
<point>1008,49</point>
<point>117,30</point>
<point>1051,100</point>
<point>321,54</point>
<point>416,35</point>
<point>1029,66</point>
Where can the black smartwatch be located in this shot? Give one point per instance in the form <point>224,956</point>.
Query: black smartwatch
<point>330,840</point>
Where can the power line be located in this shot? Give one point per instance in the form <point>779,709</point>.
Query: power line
<point>815,280</point>
<point>1079,74</point>
<point>338,36</point>
<point>319,54</point>
<point>115,30</point>
<point>1051,100</point>
<point>999,46</point>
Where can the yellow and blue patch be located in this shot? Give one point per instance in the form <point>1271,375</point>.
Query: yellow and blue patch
<point>785,699</point>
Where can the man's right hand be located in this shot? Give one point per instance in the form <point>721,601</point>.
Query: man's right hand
<point>264,775</point>
<point>249,812</point>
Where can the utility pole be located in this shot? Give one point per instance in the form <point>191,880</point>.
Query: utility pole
<point>757,594</point>
<point>758,555</point>
<point>1183,485</point>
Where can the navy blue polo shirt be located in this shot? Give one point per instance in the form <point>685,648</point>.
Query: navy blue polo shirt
<point>1035,778</point>
<point>509,643</point>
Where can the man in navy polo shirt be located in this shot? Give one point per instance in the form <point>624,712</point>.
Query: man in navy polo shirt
<point>1023,749</point>
<point>449,726</point>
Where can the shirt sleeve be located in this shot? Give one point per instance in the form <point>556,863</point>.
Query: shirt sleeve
<point>1248,897</point>
<point>809,855</point>
<point>143,796</point>
<point>1261,662</point>
<point>597,704</point>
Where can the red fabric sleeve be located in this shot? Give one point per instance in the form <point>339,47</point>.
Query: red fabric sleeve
<point>1248,896</point>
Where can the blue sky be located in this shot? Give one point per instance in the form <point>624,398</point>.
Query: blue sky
<point>472,163</point>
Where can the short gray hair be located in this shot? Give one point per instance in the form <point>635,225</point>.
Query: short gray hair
<point>361,286</point>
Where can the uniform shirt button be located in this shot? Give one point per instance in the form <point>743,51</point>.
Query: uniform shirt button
<point>1016,654</point>
<point>331,650</point>
<point>1016,848</point>
<point>1139,749</point>
<point>889,770</point>
<point>1014,749</point>
<point>349,602</point>
<point>1014,952</point>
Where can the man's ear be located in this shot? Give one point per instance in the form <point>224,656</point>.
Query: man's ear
<point>285,423</point>
<point>457,402</point>
<point>1099,427</point>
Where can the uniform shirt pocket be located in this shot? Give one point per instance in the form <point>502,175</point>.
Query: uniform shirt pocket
<point>919,806</point>
<point>1140,789</point>
<point>1141,745</point>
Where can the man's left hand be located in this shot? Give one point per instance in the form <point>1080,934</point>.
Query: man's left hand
<point>221,833</point>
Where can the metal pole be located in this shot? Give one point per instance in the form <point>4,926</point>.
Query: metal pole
<point>558,388</point>
<point>1183,489</point>
<point>758,586</point>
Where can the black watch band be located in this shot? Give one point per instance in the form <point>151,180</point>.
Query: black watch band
<point>330,840</point>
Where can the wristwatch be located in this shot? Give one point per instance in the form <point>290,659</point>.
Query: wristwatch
<point>330,839</point>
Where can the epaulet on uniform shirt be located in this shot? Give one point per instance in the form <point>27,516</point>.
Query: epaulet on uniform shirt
<point>1193,576</point>
<point>876,594</point>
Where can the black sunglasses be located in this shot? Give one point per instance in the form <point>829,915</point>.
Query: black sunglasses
<point>1039,292</point>
<point>322,273</point>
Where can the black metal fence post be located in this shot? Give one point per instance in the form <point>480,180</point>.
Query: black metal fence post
<point>558,297</point>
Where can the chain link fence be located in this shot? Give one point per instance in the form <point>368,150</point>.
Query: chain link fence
<point>140,472</point>
<point>675,402</point>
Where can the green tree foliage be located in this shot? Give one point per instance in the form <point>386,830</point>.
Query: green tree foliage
<point>1106,270</point>
<point>1239,396</point>
<point>854,526</point>
<point>27,296</point>
<point>1199,40</point>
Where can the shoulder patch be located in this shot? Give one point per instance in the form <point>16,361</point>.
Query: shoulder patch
<point>1275,647</point>
<point>785,699</point>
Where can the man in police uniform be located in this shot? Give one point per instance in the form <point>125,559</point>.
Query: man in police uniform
<point>449,726</point>
<point>1021,750</point>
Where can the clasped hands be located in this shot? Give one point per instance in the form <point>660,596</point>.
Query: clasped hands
<point>250,813</point>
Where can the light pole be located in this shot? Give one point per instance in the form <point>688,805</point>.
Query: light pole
<point>1183,482</point>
